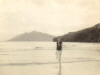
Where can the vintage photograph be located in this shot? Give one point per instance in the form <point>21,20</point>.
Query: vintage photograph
<point>49,37</point>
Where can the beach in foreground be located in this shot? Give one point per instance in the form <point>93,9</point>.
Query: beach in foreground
<point>39,58</point>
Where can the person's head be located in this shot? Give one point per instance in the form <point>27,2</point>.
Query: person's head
<point>59,38</point>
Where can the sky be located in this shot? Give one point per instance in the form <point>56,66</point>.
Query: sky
<point>55,17</point>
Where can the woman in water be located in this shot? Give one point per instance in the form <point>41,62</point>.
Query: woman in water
<point>59,47</point>
<point>59,44</point>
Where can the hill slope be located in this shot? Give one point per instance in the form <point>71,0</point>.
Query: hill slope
<point>91,34</point>
<point>33,36</point>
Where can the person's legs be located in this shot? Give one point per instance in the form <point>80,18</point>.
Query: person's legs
<point>58,54</point>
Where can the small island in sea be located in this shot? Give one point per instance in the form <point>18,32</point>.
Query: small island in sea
<point>33,36</point>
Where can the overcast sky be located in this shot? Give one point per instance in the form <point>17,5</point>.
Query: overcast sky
<point>55,17</point>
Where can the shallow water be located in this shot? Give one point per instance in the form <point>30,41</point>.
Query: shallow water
<point>39,58</point>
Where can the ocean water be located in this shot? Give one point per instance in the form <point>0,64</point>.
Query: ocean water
<point>39,58</point>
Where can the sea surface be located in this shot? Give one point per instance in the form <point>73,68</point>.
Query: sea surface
<point>40,58</point>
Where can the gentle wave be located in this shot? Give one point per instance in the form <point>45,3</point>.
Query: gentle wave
<point>50,63</point>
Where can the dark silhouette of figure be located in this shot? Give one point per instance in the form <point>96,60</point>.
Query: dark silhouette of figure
<point>59,43</point>
<point>59,47</point>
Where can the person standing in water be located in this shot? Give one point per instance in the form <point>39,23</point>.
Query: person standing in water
<point>59,44</point>
<point>59,47</point>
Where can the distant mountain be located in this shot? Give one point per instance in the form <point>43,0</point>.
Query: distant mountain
<point>33,36</point>
<point>91,34</point>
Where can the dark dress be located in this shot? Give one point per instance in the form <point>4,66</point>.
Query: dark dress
<point>59,45</point>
